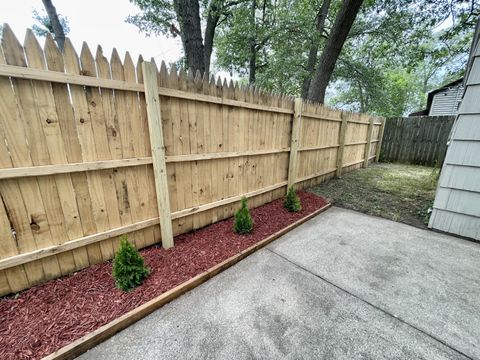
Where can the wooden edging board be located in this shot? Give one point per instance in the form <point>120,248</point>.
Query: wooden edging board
<point>106,331</point>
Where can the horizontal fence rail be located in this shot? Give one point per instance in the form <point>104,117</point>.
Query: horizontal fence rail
<point>418,140</point>
<point>92,149</point>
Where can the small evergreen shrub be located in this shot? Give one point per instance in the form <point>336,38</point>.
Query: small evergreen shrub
<point>292,202</point>
<point>129,271</point>
<point>243,221</point>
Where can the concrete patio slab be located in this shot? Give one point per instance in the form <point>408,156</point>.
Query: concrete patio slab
<point>427,279</point>
<point>331,289</point>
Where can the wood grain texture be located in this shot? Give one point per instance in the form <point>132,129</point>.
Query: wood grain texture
<point>158,152</point>
<point>94,148</point>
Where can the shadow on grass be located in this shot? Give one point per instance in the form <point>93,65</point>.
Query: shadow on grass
<point>398,192</point>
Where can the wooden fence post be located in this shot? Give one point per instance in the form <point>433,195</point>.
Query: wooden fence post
<point>368,145</point>
<point>380,139</point>
<point>341,143</point>
<point>158,152</point>
<point>295,142</point>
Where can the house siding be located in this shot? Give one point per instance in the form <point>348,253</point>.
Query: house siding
<point>446,102</point>
<point>456,208</point>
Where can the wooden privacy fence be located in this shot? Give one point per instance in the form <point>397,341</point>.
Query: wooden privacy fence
<point>93,149</point>
<point>417,140</point>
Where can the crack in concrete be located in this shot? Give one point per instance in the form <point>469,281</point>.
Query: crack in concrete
<point>369,303</point>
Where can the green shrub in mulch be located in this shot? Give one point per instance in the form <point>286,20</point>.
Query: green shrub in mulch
<point>292,202</point>
<point>243,221</point>
<point>129,270</point>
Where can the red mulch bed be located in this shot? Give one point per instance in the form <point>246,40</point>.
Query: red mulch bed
<point>49,316</point>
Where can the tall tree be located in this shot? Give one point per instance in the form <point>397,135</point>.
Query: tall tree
<point>337,37</point>
<point>54,25</point>
<point>184,18</point>
<point>314,46</point>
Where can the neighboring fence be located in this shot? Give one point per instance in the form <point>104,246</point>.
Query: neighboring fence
<point>417,140</point>
<point>76,161</point>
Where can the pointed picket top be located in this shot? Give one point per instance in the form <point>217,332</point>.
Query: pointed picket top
<point>53,55</point>
<point>257,94</point>
<point>190,80</point>
<point>163,75</point>
<point>163,68</point>
<point>139,69</point>
<point>205,84</point>
<point>87,61</point>
<point>12,48</point>
<point>248,93</point>
<point>72,65</point>
<point>173,70</point>
<point>128,60</point>
<point>205,79</point>
<point>218,87</point>
<point>198,81</point>
<point>225,90</point>
<point>211,86</point>
<point>129,69</point>
<point>33,51</point>
<point>198,76</point>
<point>116,66</point>
<point>240,90</point>
<point>152,60</point>
<point>191,84</point>
<point>172,77</point>
<point>234,86</point>
<point>230,90</point>
<point>181,73</point>
<point>115,56</point>
<point>182,79</point>
<point>103,67</point>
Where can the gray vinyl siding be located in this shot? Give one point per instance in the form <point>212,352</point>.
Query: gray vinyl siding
<point>446,102</point>
<point>456,208</point>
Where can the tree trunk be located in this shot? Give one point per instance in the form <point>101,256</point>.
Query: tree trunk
<point>55,22</point>
<point>252,66</point>
<point>332,49</point>
<point>212,22</point>
<point>313,52</point>
<point>360,91</point>
<point>188,15</point>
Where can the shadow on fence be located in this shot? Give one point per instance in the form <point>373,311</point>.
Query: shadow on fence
<point>91,149</point>
<point>416,140</point>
